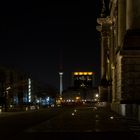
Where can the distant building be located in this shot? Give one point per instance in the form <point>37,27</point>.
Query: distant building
<point>83,87</point>
<point>19,90</point>
<point>13,87</point>
<point>83,79</point>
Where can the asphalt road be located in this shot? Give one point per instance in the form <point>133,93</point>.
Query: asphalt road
<point>66,123</point>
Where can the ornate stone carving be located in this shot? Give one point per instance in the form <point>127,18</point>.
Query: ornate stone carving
<point>104,21</point>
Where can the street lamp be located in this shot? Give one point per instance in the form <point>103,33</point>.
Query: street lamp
<point>96,95</point>
<point>6,97</point>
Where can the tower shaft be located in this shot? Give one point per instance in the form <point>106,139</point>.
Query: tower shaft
<point>61,83</point>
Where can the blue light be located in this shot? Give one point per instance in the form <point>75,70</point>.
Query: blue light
<point>48,99</point>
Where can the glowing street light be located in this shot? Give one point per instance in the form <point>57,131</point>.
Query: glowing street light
<point>96,95</point>
<point>77,98</point>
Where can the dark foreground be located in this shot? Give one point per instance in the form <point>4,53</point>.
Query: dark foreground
<point>67,123</point>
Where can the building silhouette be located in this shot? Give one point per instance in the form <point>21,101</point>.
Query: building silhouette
<point>19,90</point>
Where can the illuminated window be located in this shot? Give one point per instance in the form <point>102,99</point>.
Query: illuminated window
<point>89,73</point>
<point>80,73</point>
<point>75,73</point>
<point>77,98</point>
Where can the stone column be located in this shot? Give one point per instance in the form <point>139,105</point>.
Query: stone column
<point>104,28</point>
<point>121,21</point>
<point>103,55</point>
<point>105,42</point>
<point>129,14</point>
<point>132,14</point>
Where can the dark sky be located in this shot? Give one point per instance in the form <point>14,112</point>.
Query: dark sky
<point>33,33</point>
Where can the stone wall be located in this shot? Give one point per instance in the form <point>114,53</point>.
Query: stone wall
<point>130,79</point>
<point>131,111</point>
<point>118,78</point>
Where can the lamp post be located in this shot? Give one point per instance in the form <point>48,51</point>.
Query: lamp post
<point>6,98</point>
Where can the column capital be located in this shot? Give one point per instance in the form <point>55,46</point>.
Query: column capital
<point>105,26</point>
<point>104,21</point>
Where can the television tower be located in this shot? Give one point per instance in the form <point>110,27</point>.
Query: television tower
<point>61,71</point>
<point>61,83</point>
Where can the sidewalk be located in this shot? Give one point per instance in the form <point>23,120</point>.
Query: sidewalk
<point>4,114</point>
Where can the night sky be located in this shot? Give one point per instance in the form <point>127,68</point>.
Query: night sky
<point>34,34</point>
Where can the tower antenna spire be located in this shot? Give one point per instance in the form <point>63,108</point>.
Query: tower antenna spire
<point>60,59</point>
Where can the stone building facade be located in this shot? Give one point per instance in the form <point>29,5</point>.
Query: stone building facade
<point>120,53</point>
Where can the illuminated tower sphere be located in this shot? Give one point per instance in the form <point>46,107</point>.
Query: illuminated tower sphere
<point>61,83</point>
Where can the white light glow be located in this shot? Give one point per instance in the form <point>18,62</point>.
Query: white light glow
<point>37,100</point>
<point>72,114</point>
<point>8,88</point>
<point>111,117</point>
<point>97,95</point>
<point>48,98</point>
<point>60,73</point>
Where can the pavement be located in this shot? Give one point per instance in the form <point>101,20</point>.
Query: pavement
<point>84,122</point>
<point>70,123</point>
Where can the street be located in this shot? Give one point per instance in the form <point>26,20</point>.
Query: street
<point>72,122</point>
